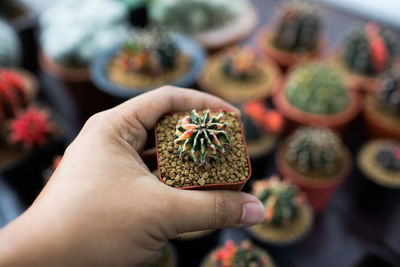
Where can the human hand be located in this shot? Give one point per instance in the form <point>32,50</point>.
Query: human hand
<point>103,207</point>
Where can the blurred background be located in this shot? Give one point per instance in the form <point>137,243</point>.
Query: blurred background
<point>317,80</point>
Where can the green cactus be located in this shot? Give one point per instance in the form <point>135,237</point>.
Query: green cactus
<point>149,51</point>
<point>240,63</point>
<point>280,198</point>
<point>314,150</point>
<point>389,92</point>
<point>317,88</point>
<point>299,26</point>
<point>195,16</point>
<point>202,137</point>
<point>370,51</point>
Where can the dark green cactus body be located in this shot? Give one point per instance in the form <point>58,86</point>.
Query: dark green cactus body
<point>202,137</point>
<point>368,55</point>
<point>195,16</point>
<point>298,28</point>
<point>389,93</point>
<point>280,198</point>
<point>317,88</point>
<point>314,150</point>
<point>389,157</point>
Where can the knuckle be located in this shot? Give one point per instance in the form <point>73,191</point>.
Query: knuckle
<point>222,208</point>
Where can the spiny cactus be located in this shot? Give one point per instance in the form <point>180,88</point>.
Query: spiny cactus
<point>389,92</point>
<point>314,150</point>
<point>13,94</point>
<point>298,28</point>
<point>243,255</point>
<point>280,198</point>
<point>151,52</point>
<point>202,137</point>
<point>31,128</point>
<point>239,63</point>
<point>317,88</point>
<point>196,16</point>
<point>369,52</point>
<point>389,157</point>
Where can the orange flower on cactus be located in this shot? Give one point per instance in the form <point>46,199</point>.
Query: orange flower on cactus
<point>269,119</point>
<point>240,62</point>
<point>31,128</point>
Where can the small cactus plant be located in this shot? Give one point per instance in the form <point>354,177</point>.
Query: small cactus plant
<point>317,88</point>
<point>243,255</point>
<point>298,28</point>
<point>13,94</point>
<point>31,128</point>
<point>389,92</point>
<point>239,63</point>
<point>369,52</point>
<point>314,150</point>
<point>202,137</point>
<point>280,198</point>
<point>152,52</point>
<point>389,157</point>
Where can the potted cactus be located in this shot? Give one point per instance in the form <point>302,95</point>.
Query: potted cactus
<point>379,162</point>
<point>150,58</point>
<point>207,151</point>
<point>214,24</point>
<point>246,254</point>
<point>382,108</point>
<point>316,161</point>
<point>288,217</point>
<point>367,53</point>
<point>261,127</point>
<point>296,37</point>
<point>317,94</point>
<point>238,75</point>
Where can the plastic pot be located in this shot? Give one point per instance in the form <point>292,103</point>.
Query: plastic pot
<point>234,186</point>
<point>284,58</point>
<point>98,69</point>
<point>319,191</point>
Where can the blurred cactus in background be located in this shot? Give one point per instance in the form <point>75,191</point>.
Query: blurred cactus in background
<point>369,52</point>
<point>389,92</point>
<point>389,156</point>
<point>10,46</point>
<point>240,63</point>
<point>280,198</point>
<point>298,27</point>
<point>148,51</point>
<point>317,88</point>
<point>314,150</point>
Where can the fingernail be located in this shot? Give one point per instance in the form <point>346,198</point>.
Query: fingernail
<point>252,213</point>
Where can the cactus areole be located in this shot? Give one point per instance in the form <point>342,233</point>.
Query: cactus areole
<point>202,137</point>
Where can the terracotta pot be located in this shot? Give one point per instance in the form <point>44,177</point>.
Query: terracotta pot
<point>377,122</point>
<point>233,186</point>
<point>284,58</point>
<point>239,95</point>
<point>230,33</point>
<point>337,122</point>
<point>319,191</point>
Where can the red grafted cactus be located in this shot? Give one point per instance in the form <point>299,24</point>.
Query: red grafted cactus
<point>377,46</point>
<point>31,128</point>
<point>13,94</point>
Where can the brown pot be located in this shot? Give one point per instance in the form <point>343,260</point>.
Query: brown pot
<point>234,186</point>
<point>215,82</point>
<point>284,58</point>
<point>379,123</point>
<point>336,122</point>
<point>232,32</point>
<point>319,191</point>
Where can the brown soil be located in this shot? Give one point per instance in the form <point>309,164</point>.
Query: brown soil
<point>140,80</point>
<point>284,234</point>
<point>215,81</point>
<point>232,167</point>
<point>372,169</point>
<point>164,259</point>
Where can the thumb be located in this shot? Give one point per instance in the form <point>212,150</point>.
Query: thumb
<point>200,210</point>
